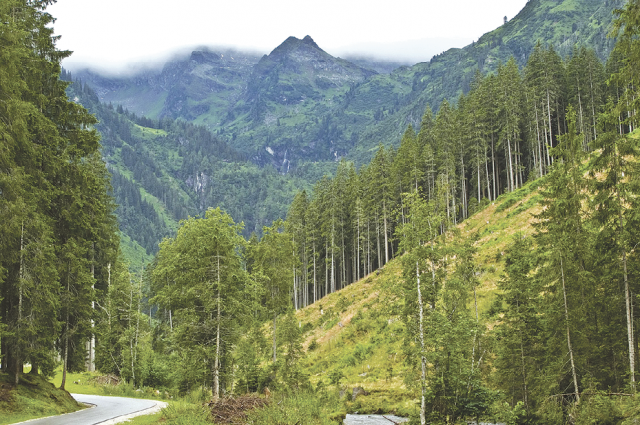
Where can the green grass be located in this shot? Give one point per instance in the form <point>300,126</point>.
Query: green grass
<point>134,253</point>
<point>324,408</point>
<point>146,132</point>
<point>33,398</point>
<point>84,383</point>
<point>367,348</point>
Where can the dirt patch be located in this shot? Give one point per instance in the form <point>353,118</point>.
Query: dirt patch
<point>5,393</point>
<point>233,410</point>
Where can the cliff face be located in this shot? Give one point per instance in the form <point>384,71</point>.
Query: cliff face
<point>298,70</point>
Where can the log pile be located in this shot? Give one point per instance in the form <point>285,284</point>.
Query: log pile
<point>233,410</point>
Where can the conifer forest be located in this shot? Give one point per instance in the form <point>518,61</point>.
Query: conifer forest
<point>369,272</point>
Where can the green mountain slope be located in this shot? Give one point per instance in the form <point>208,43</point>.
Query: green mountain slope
<point>359,330</point>
<point>301,104</point>
<point>298,110</point>
<point>562,24</point>
<point>164,171</point>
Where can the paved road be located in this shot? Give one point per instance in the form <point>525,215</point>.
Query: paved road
<point>106,410</point>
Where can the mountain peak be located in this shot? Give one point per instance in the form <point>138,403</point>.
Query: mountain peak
<point>292,44</point>
<point>308,40</point>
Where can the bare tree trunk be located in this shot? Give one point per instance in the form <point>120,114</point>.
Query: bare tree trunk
<point>511,185</point>
<point>550,130</point>
<point>358,255</point>
<point>627,298</point>
<point>91,344</point>
<point>216,364</point>
<point>275,315</point>
<point>18,359</point>
<point>386,241</point>
<point>540,161</point>
<point>486,169</point>
<point>423,359</point>
<point>566,318</point>
<point>66,335</point>
<point>493,165</point>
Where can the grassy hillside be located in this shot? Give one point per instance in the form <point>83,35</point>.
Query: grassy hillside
<point>33,398</point>
<point>358,330</point>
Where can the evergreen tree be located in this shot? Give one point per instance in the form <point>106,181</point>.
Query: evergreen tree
<point>199,276</point>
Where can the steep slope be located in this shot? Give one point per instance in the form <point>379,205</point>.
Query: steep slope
<point>291,97</point>
<point>558,23</point>
<point>359,330</point>
<point>299,104</point>
<point>201,87</point>
<point>164,171</point>
<point>35,397</point>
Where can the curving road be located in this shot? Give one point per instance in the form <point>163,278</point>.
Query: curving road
<point>106,410</point>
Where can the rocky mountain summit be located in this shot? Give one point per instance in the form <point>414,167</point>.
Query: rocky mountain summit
<point>297,69</point>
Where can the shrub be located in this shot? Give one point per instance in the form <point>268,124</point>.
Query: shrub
<point>313,345</point>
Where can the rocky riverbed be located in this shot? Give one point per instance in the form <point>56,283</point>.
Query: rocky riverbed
<point>374,420</point>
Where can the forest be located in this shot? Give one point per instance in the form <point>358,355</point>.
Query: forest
<point>217,313</point>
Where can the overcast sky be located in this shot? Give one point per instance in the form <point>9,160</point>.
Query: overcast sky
<point>114,33</point>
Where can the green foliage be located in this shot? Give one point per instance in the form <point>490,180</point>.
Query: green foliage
<point>33,399</point>
<point>199,277</point>
<point>185,413</point>
<point>296,408</point>
<point>58,227</point>
<point>336,375</point>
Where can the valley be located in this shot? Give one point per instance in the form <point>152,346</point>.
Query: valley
<point>307,236</point>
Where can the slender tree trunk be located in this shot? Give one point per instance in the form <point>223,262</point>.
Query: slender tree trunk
<point>275,316</point>
<point>423,359</point>
<point>378,239</point>
<point>549,113</point>
<point>333,262</point>
<point>512,188</point>
<point>66,334</point>
<point>386,241</point>
<point>493,165</point>
<point>540,161</point>
<point>91,344</point>
<point>486,169</point>
<point>593,107</point>
<point>524,376</point>
<point>566,319</point>
<point>326,268</point>
<point>358,255</point>
<point>18,358</point>
<point>627,298</point>
<point>216,364</point>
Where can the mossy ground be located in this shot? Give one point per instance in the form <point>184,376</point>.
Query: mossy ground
<point>34,397</point>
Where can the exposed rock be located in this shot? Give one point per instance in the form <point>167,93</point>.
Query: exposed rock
<point>358,391</point>
<point>343,392</point>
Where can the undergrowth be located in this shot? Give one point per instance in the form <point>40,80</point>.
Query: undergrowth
<point>33,398</point>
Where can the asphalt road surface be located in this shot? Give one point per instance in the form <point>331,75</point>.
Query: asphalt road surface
<point>107,410</point>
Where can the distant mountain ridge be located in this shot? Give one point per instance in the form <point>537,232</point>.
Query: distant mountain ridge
<point>268,125</point>
<point>299,104</point>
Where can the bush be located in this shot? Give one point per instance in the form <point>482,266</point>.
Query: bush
<point>335,376</point>
<point>598,409</point>
<point>313,345</point>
